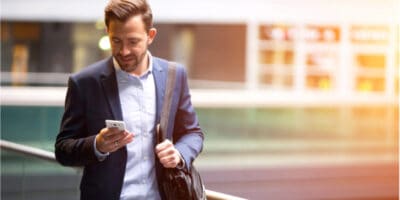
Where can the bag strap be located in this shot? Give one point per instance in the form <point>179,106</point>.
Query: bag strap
<point>169,90</point>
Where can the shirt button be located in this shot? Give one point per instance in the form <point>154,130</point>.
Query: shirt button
<point>145,158</point>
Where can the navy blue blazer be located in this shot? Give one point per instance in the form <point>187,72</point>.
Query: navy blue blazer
<point>92,97</point>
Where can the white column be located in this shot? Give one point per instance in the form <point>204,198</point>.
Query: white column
<point>345,74</point>
<point>300,51</point>
<point>252,60</point>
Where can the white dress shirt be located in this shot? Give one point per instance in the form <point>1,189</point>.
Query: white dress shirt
<point>138,103</point>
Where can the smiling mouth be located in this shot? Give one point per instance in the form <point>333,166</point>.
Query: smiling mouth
<point>126,59</point>
<point>127,62</point>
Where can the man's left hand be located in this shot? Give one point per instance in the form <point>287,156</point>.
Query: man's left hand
<point>167,153</point>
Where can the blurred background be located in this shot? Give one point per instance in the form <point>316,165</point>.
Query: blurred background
<point>297,99</point>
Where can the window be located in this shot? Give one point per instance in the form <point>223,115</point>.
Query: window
<point>277,55</point>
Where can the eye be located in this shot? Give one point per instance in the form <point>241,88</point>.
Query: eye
<point>134,42</point>
<point>115,41</point>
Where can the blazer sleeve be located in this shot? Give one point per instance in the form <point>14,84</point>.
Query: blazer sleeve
<point>187,132</point>
<point>73,147</point>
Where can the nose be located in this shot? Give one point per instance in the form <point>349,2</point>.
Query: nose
<point>124,50</point>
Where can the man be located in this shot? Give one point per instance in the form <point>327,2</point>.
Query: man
<point>129,86</point>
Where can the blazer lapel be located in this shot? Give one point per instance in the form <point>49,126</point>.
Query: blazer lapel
<point>110,87</point>
<point>160,79</point>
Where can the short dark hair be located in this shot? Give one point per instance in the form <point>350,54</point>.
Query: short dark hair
<point>122,10</point>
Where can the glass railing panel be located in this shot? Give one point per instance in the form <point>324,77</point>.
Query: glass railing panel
<point>24,177</point>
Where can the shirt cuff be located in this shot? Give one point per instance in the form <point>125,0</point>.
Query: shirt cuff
<point>181,164</point>
<point>100,156</point>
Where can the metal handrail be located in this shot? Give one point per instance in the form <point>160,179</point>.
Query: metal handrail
<point>49,156</point>
<point>27,150</point>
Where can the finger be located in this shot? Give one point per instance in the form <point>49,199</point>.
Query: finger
<point>171,164</point>
<point>166,152</point>
<point>114,134</point>
<point>167,159</point>
<point>126,140</point>
<point>106,136</point>
<point>119,137</point>
<point>108,132</point>
<point>117,144</point>
<point>163,145</point>
<point>166,143</point>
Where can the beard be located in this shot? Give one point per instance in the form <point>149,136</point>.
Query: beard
<point>131,62</point>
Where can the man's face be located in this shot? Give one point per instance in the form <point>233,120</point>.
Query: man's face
<point>129,41</point>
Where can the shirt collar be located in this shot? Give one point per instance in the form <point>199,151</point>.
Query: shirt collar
<point>149,67</point>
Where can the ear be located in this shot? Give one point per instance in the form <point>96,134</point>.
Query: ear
<point>152,34</point>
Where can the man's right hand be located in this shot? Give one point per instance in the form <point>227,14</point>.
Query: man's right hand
<point>111,139</point>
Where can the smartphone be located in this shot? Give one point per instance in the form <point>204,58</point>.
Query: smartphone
<point>120,125</point>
